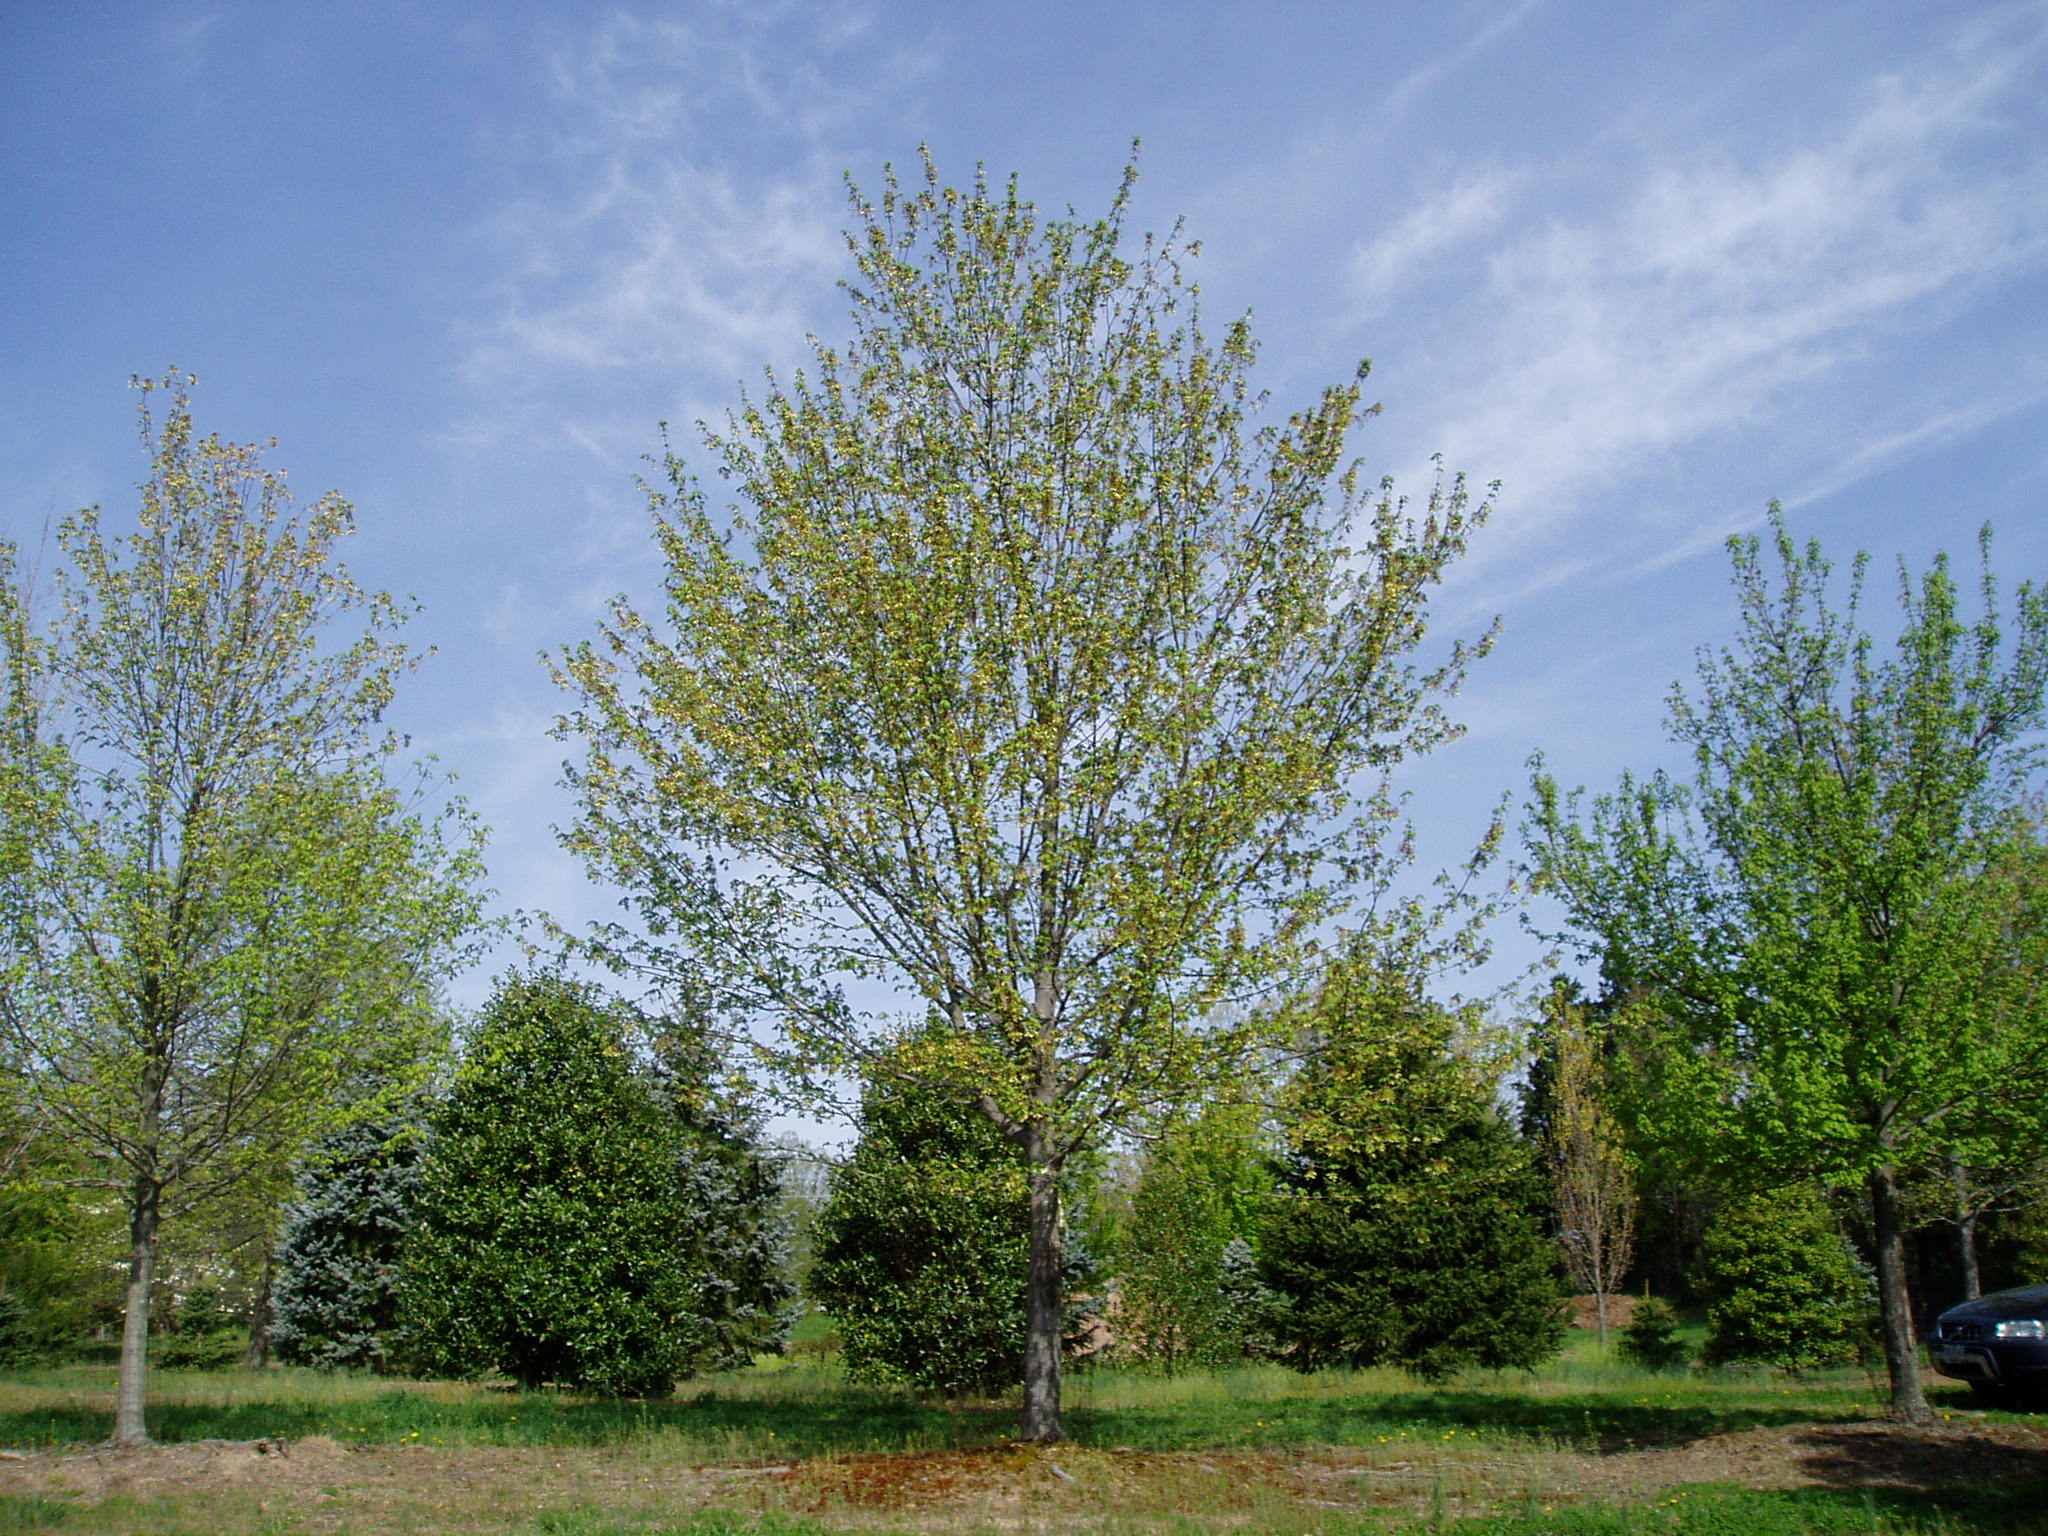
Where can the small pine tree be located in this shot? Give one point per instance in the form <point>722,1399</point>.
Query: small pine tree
<point>1650,1338</point>
<point>1405,1231</point>
<point>334,1302</point>
<point>738,1237</point>
<point>1246,1313</point>
<point>1783,1287</point>
<point>571,1225</point>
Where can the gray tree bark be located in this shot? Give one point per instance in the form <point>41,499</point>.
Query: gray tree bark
<point>129,1428</point>
<point>1042,1300</point>
<point>1901,1346</point>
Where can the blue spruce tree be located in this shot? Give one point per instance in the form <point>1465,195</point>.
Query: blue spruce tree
<point>335,1299</point>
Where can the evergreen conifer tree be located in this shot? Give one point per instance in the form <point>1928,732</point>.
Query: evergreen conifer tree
<point>1246,1313</point>
<point>1783,1286</point>
<point>334,1302</point>
<point>737,1238</point>
<point>1405,1232</point>
<point>582,1219</point>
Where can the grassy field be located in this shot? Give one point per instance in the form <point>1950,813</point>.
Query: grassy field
<point>1584,1446</point>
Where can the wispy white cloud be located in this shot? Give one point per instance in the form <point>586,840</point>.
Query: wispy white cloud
<point>184,45</point>
<point>1420,81</point>
<point>679,203</point>
<point>1384,268</point>
<point>1719,282</point>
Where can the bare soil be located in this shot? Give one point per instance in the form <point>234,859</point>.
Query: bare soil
<point>317,1484</point>
<point>1585,1311</point>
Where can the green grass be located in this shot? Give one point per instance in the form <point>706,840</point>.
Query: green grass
<point>1707,1510</point>
<point>745,1415</point>
<point>807,1411</point>
<point>1583,1402</point>
<point>33,1513</point>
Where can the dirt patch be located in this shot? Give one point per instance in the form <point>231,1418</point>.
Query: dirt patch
<point>498,1488</point>
<point>1585,1311</point>
<point>97,1472</point>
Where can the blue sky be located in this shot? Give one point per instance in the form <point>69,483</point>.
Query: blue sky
<point>1647,265</point>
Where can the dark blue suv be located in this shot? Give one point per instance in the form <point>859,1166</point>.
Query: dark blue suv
<point>1997,1343</point>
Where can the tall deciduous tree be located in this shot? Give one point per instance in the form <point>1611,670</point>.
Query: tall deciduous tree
<point>1025,672</point>
<point>217,911</point>
<point>1825,916</point>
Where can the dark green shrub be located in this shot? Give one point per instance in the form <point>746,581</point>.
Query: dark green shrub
<point>1782,1285</point>
<point>213,1350</point>
<point>1651,1338</point>
<point>17,1332</point>
<point>1405,1232</point>
<point>921,1251</point>
<point>562,1230</point>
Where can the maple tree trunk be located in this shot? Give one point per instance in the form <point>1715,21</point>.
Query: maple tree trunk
<point>1901,1347</point>
<point>1966,1232</point>
<point>1966,1256</point>
<point>129,1428</point>
<point>257,1355</point>
<point>1042,1303</point>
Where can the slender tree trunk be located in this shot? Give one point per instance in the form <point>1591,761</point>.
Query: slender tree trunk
<point>257,1355</point>
<point>1042,1299</point>
<point>129,1428</point>
<point>1600,1312</point>
<point>1966,1254</point>
<point>1966,1232</point>
<point>1901,1345</point>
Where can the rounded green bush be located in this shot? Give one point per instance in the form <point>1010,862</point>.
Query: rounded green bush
<point>1783,1287</point>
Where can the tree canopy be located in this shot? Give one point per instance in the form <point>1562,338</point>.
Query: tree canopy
<point>1023,671</point>
<point>219,913</point>
<point>1833,920</point>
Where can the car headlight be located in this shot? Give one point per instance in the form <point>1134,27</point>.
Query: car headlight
<point>2022,1328</point>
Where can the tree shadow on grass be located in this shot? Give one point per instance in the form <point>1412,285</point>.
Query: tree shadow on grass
<point>852,1419</point>
<point>1590,1421</point>
<point>793,1426</point>
<point>1860,1456</point>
